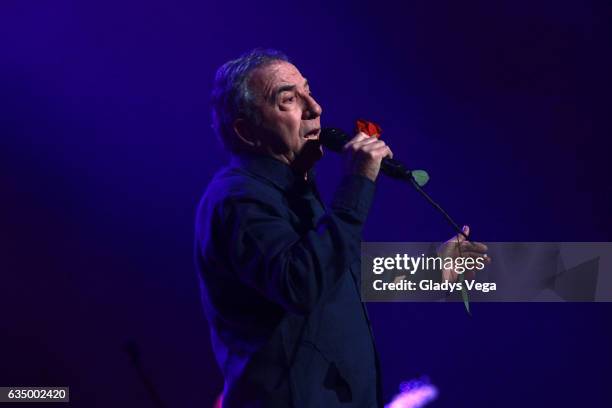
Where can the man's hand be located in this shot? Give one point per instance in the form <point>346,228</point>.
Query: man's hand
<point>365,154</point>
<point>459,246</point>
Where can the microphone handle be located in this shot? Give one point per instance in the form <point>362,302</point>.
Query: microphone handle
<point>395,169</point>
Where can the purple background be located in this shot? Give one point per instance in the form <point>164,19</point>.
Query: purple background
<point>106,149</point>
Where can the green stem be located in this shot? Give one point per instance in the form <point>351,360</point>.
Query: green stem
<point>464,295</point>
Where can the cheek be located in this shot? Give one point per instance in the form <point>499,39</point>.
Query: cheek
<point>286,128</point>
<point>292,129</point>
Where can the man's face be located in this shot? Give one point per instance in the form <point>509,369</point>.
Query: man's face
<point>290,125</point>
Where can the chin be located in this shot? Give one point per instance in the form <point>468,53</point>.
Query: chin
<point>312,148</point>
<point>310,153</point>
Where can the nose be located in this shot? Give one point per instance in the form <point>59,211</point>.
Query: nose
<point>312,109</point>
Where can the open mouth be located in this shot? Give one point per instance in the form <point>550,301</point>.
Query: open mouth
<point>313,134</point>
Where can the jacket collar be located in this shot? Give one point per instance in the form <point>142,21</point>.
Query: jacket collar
<point>267,167</point>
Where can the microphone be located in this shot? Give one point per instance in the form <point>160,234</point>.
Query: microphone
<point>334,139</point>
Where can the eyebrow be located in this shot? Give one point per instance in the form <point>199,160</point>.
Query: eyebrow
<point>284,88</point>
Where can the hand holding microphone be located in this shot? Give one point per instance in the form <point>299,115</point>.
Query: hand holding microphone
<point>364,155</point>
<point>335,140</point>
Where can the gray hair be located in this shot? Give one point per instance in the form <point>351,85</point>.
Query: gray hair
<point>231,96</point>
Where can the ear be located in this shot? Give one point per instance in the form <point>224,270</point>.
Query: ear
<point>246,136</point>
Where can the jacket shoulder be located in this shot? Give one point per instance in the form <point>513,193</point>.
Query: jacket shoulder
<point>234,183</point>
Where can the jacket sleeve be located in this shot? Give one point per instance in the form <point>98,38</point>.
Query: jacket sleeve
<point>292,270</point>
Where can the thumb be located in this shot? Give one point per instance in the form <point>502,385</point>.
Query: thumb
<point>466,231</point>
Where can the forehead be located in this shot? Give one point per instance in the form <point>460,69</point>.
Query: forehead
<point>267,78</point>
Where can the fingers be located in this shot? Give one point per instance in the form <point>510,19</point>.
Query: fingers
<point>465,244</point>
<point>473,246</point>
<point>474,255</point>
<point>358,139</point>
<point>371,145</point>
<point>377,152</point>
<point>377,146</point>
<point>468,249</point>
<point>359,143</point>
<point>465,233</point>
<point>462,248</point>
<point>365,154</point>
<point>361,139</point>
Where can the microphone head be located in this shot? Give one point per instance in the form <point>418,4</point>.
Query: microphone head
<point>333,139</point>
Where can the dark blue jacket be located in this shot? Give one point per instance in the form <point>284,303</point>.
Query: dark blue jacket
<point>280,288</point>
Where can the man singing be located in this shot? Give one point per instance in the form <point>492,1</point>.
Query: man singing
<point>279,270</point>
